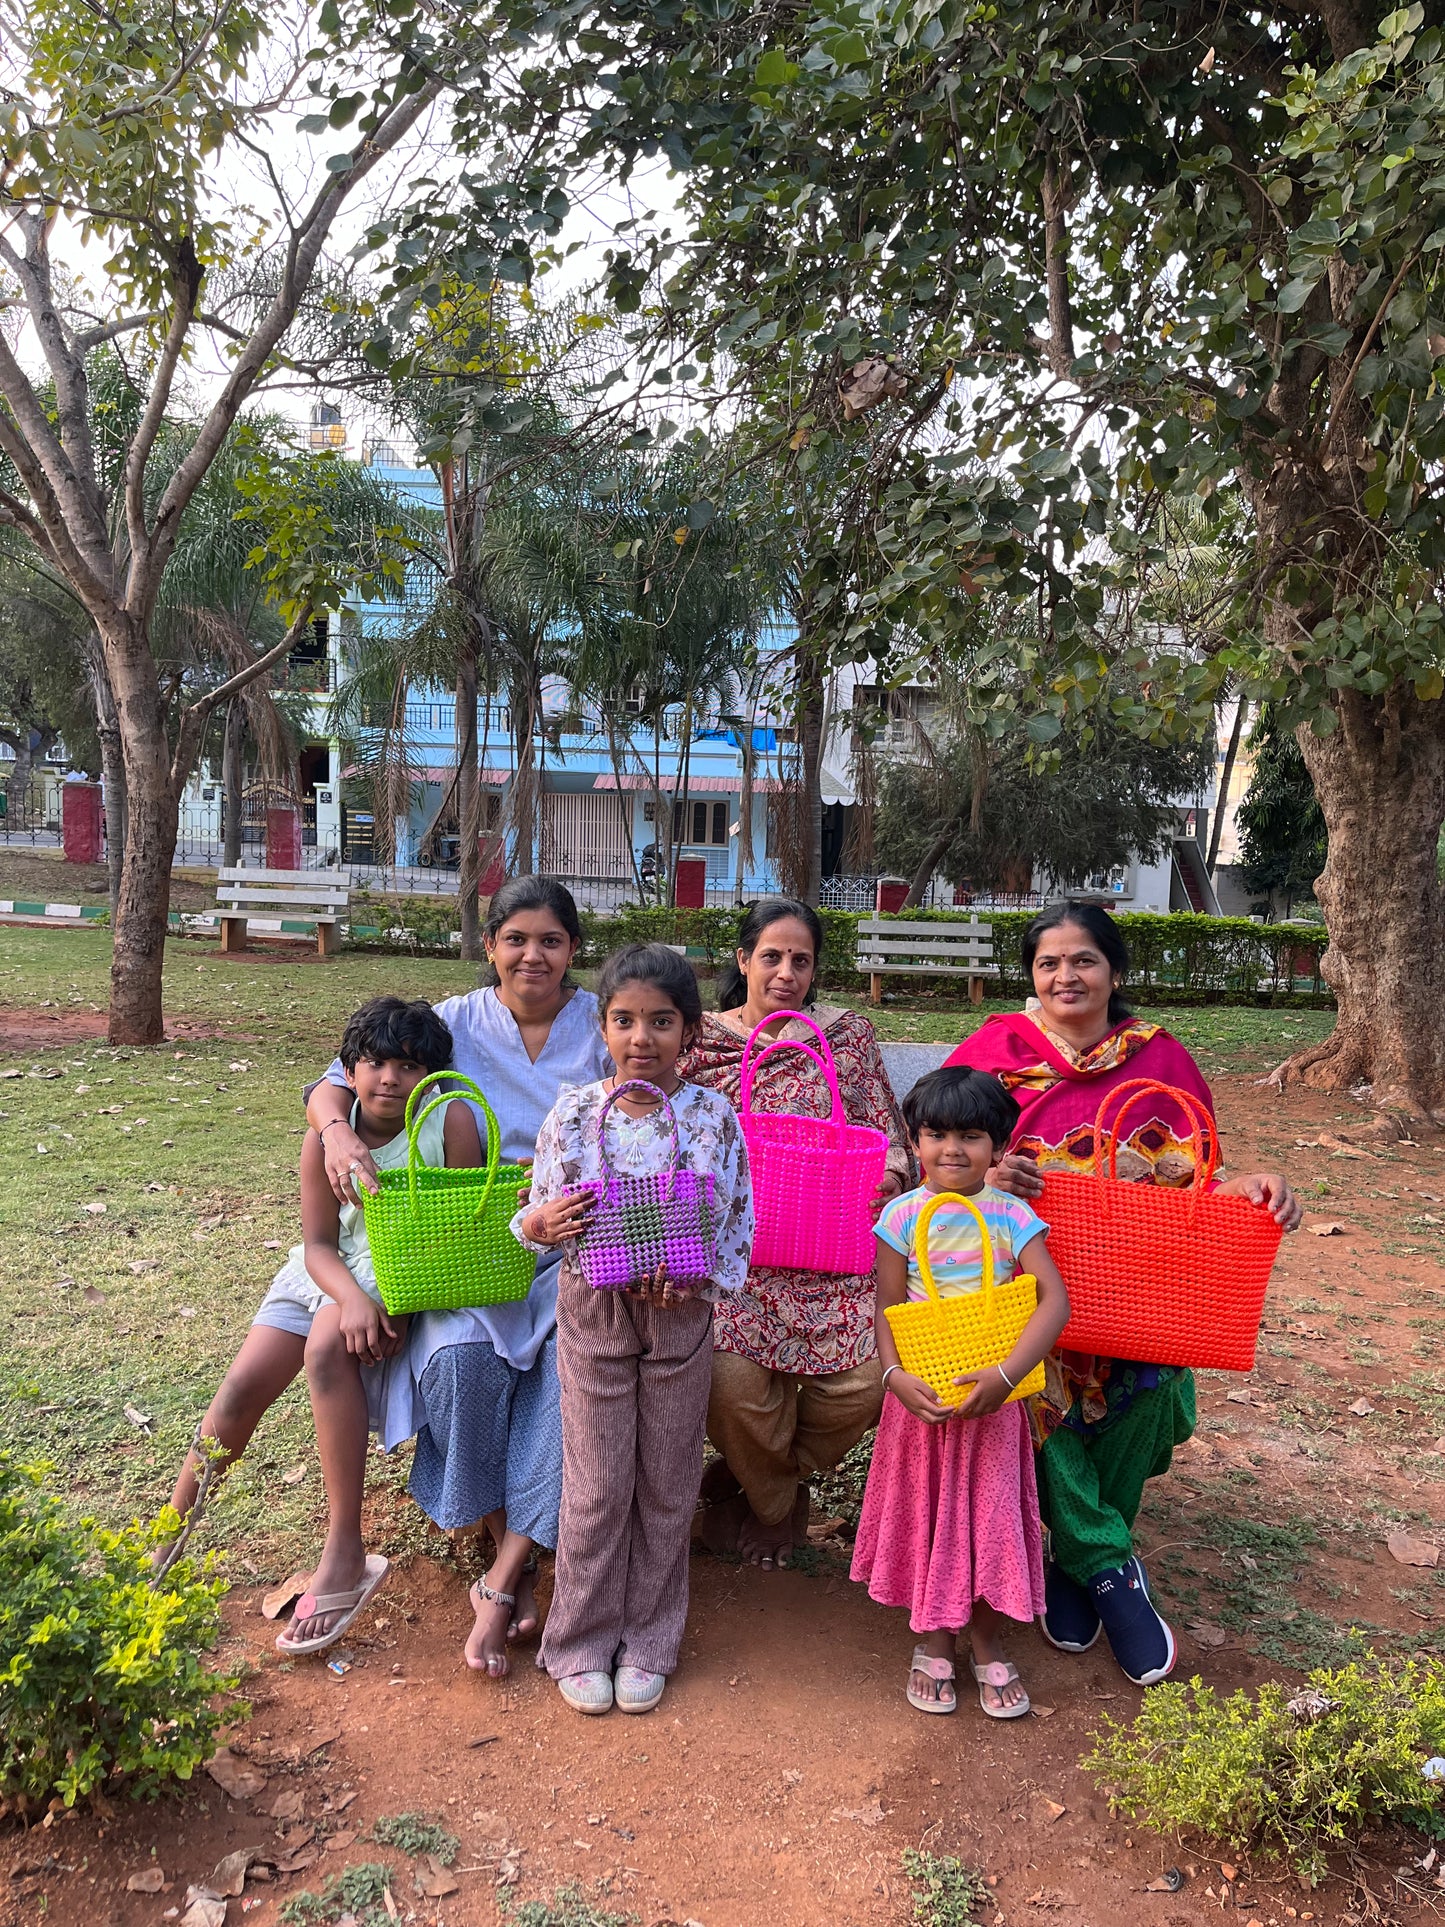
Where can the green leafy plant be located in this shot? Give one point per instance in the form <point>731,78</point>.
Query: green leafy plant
<point>945,1891</point>
<point>357,1891</point>
<point>569,1907</point>
<point>103,1680</point>
<point>414,1833</point>
<point>1289,1773</point>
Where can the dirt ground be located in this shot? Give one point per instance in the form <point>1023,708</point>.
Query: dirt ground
<point>40,874</point>
<point>784,1773</point>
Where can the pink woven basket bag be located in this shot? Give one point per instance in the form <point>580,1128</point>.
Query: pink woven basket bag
<point>639,1223</point>
<point>813,1177</point>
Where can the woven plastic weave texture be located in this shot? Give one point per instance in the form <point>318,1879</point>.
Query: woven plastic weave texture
<point>441,1239</point>
<point>813,1178</point>
<point>1171,1277</point>
<point>937,1338</point>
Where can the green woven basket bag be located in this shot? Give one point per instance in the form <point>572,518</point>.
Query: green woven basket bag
<point>441,1239</point>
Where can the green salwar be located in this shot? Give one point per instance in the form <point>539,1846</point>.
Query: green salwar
<point>1091,1484</point>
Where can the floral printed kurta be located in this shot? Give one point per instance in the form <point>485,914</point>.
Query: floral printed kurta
<point>808,1323</point>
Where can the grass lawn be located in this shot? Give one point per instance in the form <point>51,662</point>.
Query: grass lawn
<point>122,1318</point>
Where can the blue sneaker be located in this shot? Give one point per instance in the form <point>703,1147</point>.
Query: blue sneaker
<point>1142,1643</point>
<point>1069,1619</point>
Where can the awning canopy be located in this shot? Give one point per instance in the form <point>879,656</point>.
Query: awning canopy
<point>632,779</point>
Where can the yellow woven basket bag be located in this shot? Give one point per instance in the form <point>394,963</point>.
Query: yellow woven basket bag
<point>937,1338</point>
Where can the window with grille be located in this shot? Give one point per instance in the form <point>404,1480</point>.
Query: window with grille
<point>698,822</point>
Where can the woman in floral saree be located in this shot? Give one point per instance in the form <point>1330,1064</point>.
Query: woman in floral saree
<point>1104,1426</point>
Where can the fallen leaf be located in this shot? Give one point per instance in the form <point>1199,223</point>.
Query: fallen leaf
<point>230,1874</point>
<point>149,1881</point>
<point>339,1842</point>
<point>1362,1408</point>
<point>289,1804</point>
<point>870,1816</point>
<point>294,1476</point>
<point>1341,1146</point>
<point>826,1529</point>
<point>234,1776</point>
<point>285,1595</point>
<point>271,1244</point>
<point>153,1186</point>
<point>141,1420</point>
<point>491,1826</point>
<point>140,1265</point>
<point>203,1908</point>
<point>1440,1446</point>
<point>1238,1397</point>
<point>1041,1712</point>
<point>92,1296</point>
<point>295,1838</point>
<point>1326,1229</point>
<point>342,1801</point>
<point>392,1910</point>
<point>298,1862</point>
<point>1203,1634</point>
<point>314,1745</point>
<point>434,1880</point>
<point>95,1210</point>
<point>1406,1550</point>
<point>509,1869</point>
<point>1053,1811</point>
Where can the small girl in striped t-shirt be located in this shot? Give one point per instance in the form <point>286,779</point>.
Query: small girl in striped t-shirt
<point>950,1525</point>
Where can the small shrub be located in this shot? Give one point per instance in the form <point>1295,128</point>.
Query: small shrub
<point>103,1682</point>
<point>1289,1773</point>
<point>357,1891</point>
<point>569,1907</point>
<point>414,1833</point>
<point>945,1891</point>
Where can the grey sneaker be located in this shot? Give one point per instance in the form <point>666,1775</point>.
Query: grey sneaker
<point>636,1691</point>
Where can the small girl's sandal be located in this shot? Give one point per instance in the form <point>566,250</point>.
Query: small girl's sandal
<point>933,1668</point>
<point>997,1674</point>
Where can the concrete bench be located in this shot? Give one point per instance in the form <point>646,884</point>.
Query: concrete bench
<point>309,896</point>
<point>962,948</point>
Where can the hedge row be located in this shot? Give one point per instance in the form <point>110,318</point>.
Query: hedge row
<point>1175,959</point>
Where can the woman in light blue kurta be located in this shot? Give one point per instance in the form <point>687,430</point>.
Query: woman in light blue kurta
<point>478,1388</point>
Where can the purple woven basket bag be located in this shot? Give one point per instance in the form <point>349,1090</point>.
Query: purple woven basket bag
<point>813,1177</point>
<point>638,1224</point>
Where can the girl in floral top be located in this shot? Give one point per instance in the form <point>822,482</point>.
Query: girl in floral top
<point>635,1365</point>
<point>795,1376</point>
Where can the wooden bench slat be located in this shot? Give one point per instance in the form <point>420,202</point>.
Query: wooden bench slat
<point>885,949</point>
<point>888,927</point>
<point>890,967</point>
<point>241,874</point>
<point>329,899</point>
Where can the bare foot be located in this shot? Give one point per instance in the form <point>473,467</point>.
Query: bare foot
<point>769,1546</point>
<point>524,1613</point>
<point>486,1647</point>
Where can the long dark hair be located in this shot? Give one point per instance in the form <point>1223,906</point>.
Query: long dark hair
<point>655,964</point>
<point>1102,930</point>
<point>733,987</point>
<point>530,893</point>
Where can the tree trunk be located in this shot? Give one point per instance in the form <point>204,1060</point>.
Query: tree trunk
<point>233,781</point>
<point>153,818</point>
<point>1380,779</point>
<point>17,787</point>
<point>1226,776</point>
<point>809,698</point>
<point>526,858</point>
<point>112,772</point>
<point>469,815</point>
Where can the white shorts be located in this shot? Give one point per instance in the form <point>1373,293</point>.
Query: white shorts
<point>294,1300</point>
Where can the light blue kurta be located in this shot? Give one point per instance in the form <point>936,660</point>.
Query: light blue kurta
<point>487,1047</point>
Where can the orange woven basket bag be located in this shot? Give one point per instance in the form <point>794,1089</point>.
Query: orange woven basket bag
<point>1171,1277</point>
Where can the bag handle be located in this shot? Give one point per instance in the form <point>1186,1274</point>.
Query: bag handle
<point>1202,1128</point>
<point>920,1246</point>
<point>822,1056</point>
<point>493,1145</point>
<point>637,1084</point>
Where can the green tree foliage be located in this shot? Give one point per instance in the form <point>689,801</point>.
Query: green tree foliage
<point>104,1683</point>
<point>1281,826</point>
<point>1086,810</point>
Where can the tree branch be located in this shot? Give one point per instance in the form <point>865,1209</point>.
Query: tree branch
<point>187,287</point>
<point>197,714</point>
<point>1056,268</point>
<point>302,255</point>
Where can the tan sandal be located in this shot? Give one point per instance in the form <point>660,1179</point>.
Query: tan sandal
<point>998,1673</point>
<point>348,1604</point>
<point>935,1668</point>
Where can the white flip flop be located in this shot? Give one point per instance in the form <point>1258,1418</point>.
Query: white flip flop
<point>936,1668</point>
<point>348,1604</point>
<point>998,1673</point>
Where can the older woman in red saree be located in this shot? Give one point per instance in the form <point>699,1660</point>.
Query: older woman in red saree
<point>1104,1426</point>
